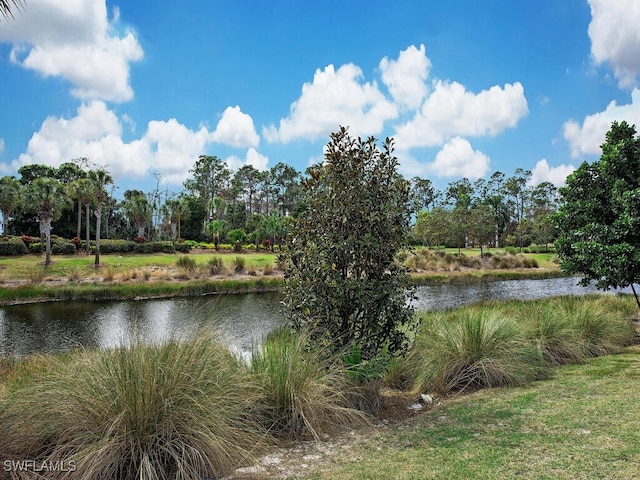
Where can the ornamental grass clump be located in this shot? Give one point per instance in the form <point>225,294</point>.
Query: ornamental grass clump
<point>175,410</point>
<point>470,349</point>
<point>186,264</point>
<point>552,332</point>
<point>602,325</point>
<point>303,394</point>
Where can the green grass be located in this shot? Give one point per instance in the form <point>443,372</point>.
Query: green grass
<point>303,393</point>
<point>580,424</point>
<point>510,343</point>
<point>140,411</point>
<point>17,268</point>
<point>471,348</point>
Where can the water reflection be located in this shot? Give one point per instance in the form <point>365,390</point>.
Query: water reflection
<point>241,320</point>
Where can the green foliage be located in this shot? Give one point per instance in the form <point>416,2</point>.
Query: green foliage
<point>60,246</point>
<point>599,222</point>
<point>236,235</point>
<point>471,348</point>
<point>304,394</point>
<point>176,410</point>
<point>342,279</point>
<point>12,246</point>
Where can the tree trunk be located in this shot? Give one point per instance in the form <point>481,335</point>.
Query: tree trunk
<point>45,232</point>
<point>87,230</point>
<point>98,221</point>
<point>79,226</point>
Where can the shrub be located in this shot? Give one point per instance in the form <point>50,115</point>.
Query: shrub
<point>471,349</point>
<point>36,247</point>
<point>176,410</point>
<point>303,393</point>
<point>12,246</point>
<point>60,246</point>
<point>267,269</point>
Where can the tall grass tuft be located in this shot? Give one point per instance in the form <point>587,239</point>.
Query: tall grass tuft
<point>176,410</point>
<point>239,264</point>
<point>214,266</point>
<point>304,394</point>
<point>554,334</point>
<point>470,348</point>
<point>602,325</point>
<point>186,264</point>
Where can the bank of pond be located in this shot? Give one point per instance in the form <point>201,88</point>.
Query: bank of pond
<point>189,406</point>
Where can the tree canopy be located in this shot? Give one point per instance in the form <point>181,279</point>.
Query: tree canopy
<point>599,222</point>
<point>342,278</point>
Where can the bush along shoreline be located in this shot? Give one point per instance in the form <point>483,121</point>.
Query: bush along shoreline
<point>190,408</point>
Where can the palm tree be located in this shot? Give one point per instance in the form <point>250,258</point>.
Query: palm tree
<point>99,179</point>
<point>6,7</point>
<point>46,197</point>
<point>176,210</point>
<point>9,198</point>
<point>138,209</point>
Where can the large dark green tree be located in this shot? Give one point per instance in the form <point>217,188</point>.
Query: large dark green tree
<point>599,221</point>
<point>342,280</point>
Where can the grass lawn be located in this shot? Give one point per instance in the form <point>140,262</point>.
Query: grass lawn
<point>581,424</point>
<point>26,267</point>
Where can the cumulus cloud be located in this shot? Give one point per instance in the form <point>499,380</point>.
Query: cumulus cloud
<point>457,158</point>
<point>452,111</point>
<point>542,172</point>
<point>335,97</point>
<point>406,77</point>
<point>587,138</point>
<point>615,38</point>
<point>75,41</point>
<point>253,158</point>
<point>167,147</point>
<point>236,129</point>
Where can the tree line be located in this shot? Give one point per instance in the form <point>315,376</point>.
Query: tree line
<point>218,205</point>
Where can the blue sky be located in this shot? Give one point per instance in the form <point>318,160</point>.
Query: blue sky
<point>466,88</point>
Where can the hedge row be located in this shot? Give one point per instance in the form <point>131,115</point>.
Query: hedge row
<point>16,246</point>
<point>128,246</point>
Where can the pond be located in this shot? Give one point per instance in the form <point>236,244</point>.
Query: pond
<point>241,319</point>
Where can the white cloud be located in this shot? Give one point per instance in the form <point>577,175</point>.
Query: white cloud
<point>335,97</point>
<point>174,148</point>
<point>586,139</point>
<point>406,77</point>
<point>236,128</point>
<point>450,111</point>
<point>253,158</point>
<point>542,172</point>
<point>74,40</point>
<point>167,147</point>
<point>453,111</point>
<point>1,145</point>
<point>615,38</point>
<point>457,158</point>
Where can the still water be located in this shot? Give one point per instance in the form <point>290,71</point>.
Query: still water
<point>242,320</point>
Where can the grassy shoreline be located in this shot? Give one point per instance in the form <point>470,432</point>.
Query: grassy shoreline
<point>157,276</point>
<point>29,293</point>
<point>576,421</point>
